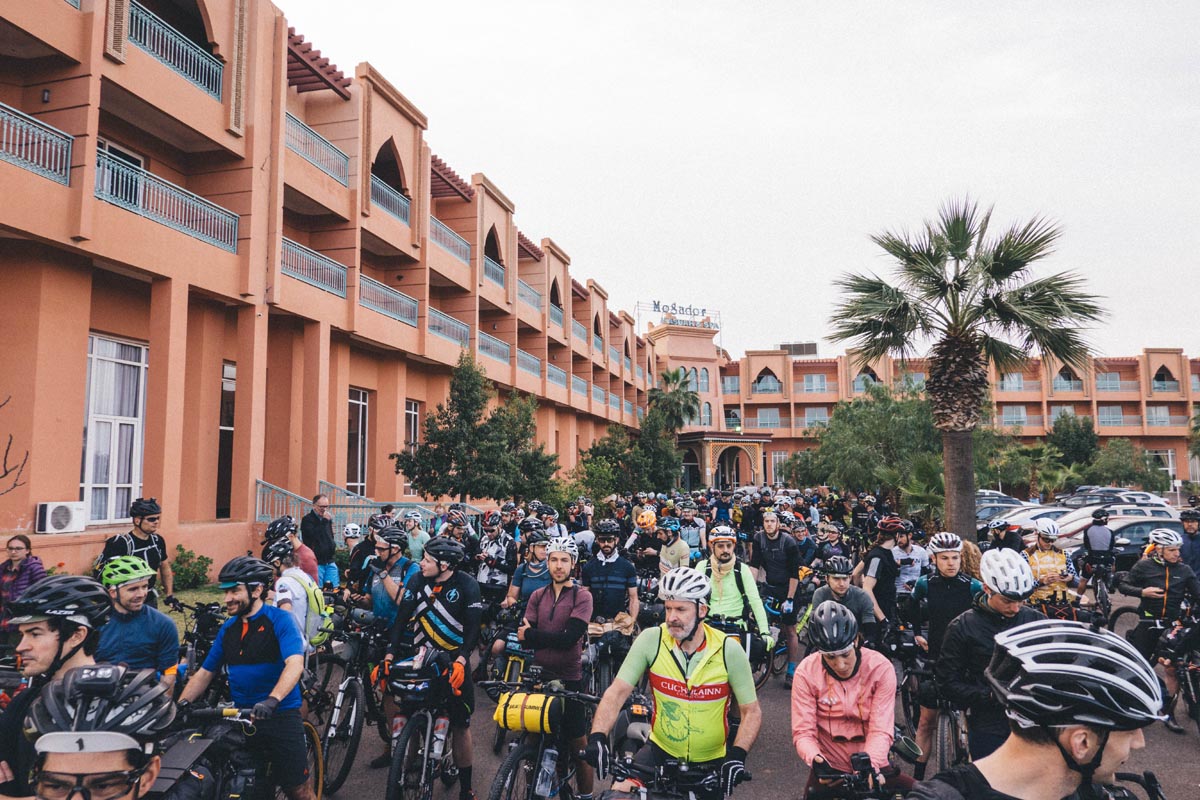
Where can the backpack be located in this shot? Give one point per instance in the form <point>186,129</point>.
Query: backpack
<point>318,622</point>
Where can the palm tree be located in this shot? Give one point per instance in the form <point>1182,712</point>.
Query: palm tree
<point>675,399</point>
<point>972,297</point>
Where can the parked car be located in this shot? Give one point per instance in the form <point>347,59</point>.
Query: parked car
<point>1078,519</point>
<point>991,498</point>
<point>985,513</point>
<point>1019,517</point>
<point>1133,533</point>
<point>1106,497</point>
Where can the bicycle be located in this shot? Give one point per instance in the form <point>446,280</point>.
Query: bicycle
<point>603,654</point>
<point>856,784</point>
<point>1180,646</point>
<point>423,751</point>
<point>205,621</point>
<point>1147,781</point>
<point>761,662</point>
<point>511,664</point>
<point>672,778</point>
<point>534,768</point>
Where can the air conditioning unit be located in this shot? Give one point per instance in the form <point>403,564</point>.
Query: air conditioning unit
<point>68,517</point>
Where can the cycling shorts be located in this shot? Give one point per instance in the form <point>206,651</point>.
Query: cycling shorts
<point>1144,637</point>
<point>927,691</point>
<point>460,707</point>
<point>279,743</point>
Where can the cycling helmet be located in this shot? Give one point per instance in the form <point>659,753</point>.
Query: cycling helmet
<point>548,513</point>
<point>1189,515</point>
<point>1165,537</point>
<point>491,520</point>
<point>412,514</point>
<point>71,598</point>
<point>646,519</point>
<point>907,526</point>
<point>1047,528</point>
<point>837,565</point>
<point>945,542</point>
<point>722,533</point>
<point>352,531</point>
<point>890,525</point>
<point>280,528</point>
<point>393,536</point>
<point>445,550</point>
<point>832,627</point>
<point>786,519</point>
<point>686,505</point>
<point>378,522</point>
<point>531,525</point>
<point>607,527</point>
<point>456,518</point>
<point>245,569</point>
<point>537,536</point>
<point>508,508</point>
<point>996,524</point>
<point>1051,673</point>
<point>1101,513</point>
<point>563,544</point>
<point>277,551</point>
<point>125,569</point>
<point>670,524</point>
<point>869,499</point>
<point>684,584</point>
<point>1005,572</point>
<point>102,708</point>
<point>144,507</point>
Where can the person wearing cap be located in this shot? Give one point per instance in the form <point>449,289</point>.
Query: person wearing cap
<point>674,551</point>
<point>1075,702</point>
<point>136,635</point>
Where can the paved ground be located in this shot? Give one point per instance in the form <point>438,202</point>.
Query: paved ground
<point>778,772</point>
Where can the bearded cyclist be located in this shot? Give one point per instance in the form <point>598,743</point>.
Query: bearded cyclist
<point>695,671</point>
<point>837,587</point>
<point>735,597</point>
<point>777,558</point>
<point>136,635</point>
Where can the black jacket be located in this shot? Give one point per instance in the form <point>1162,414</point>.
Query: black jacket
<point>1177,579</point>
<point>967,650</point>
<point>317,533</point>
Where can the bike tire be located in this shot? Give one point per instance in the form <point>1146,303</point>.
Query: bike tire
<point>779,660</point>
<point>909,694</point>
<point>761,671</point>
<point>316,763</point>
<point>408,775</point>
<point>604,676</point>
<point>340,742</point>
<point>517,776</point>
<point>1116,617</point>
<point>944,742</point>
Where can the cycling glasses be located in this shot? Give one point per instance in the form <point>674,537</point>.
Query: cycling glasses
<point>88,785</point>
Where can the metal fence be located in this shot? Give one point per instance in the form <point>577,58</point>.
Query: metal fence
<point>493,271</point>
<point>556,315</point>
<point>389,199</point>
<point>492,347</point>
<point>382,298</point>
<point>317,150</point>
<point>529,295</point>
<point>313,268</point>
<point>449,328</point>
<point>529,363</point>
<point>34,145</point>
<point>556,376</point>
<point>174,50</point>
<point>449,241</point>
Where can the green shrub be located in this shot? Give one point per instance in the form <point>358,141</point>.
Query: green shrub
<point>191,570</point>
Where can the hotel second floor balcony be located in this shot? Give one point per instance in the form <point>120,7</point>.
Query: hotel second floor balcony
<point>313,268</point>
<point>319,151</point>
<point>34,146</point>
<point>175,51</point>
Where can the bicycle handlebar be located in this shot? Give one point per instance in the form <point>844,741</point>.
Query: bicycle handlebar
<point>566,694</point>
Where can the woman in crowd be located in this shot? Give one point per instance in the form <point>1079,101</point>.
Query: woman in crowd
<point>18,573</point>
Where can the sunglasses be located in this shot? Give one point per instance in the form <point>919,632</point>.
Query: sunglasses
<point>88,785</point>
<point>839,653</point>
<point>152,519</point>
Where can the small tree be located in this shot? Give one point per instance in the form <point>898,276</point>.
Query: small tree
<point>1121,463</point>
<point>520,466</point>
<point>674,399</point>
<point>1075,438</point>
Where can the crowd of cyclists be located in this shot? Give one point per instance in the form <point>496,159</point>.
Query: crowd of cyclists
<point>699,595</point>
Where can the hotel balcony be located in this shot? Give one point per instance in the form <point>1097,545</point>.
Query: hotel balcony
<point>529,372</point>
<point>556,383</point>
<point>35,146</point>
<point>387,301</point>
<point>529,305</point>
<point>315,169</point>
<point>497,358</point>
<point>172,49</point>
<point>451,258</point>
<point>579,338</point>
<point>448,337</point>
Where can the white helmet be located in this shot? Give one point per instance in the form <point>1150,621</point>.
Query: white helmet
<point>563,544</point>
<point>945,542</point>
<point>685,584</point>
<point>1047,528</point>
<point>352,531</point>
<point>1165,537</point>
<point>722,532</point>
<point>1005,572</point>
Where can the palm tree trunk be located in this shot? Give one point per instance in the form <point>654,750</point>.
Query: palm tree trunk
<point>958,453</point>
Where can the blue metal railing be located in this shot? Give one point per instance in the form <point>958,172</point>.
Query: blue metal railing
<point>34,145</point>
<point>389,199</point>
<point>597,344</point>
<point>449,328</point>
<point>598,394</point>
<point>579,386</point>
<point>174,50</point>
<point>556,376</point>
<point>449,241</point>
<point>148,195</point>
<point>641,373</point>
<point>614,355</point>
<point>641,413</point>
<point>529,363</point>
<point>338,494</point>
<point>529,295</point>
<point>579,330</point>
<point>628,362</point>
<point>493,272</point>
<point>492,347</point>
<point>316,150</point>
<point>629,407</point>
<point>382,298</point>
<point>74,3</point>
<point>556,315</point>
<point>614,402</point>
<point>313,268</point>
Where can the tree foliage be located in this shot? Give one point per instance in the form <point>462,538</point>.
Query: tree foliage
<point>1075,438</point>
<point>674,398</point>
<point>619,461</point>
<point>1121,463</point>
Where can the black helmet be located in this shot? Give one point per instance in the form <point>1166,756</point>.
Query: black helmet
<point>101,708</point>
<point>837,565</point>
<point>456,517</point>
<point>245,569</point>
<point>607,527</point>
<point>531,525</point>
<point>548,511</point>
<point>1100,513</point>
<point>1189,515</point>
<point>278,550</point>
<point>445,549</point>
<point>144,507</point>
<point>394,536</point>
<point>508,508</point>
<point>280,528</point>
<point>832,627</point>
<point>71,598</point>
<point>378,522</point>
<point>1051,673</point>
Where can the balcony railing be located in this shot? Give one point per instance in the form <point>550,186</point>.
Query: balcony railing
<point>382,298</point>
<point>389,199</point>
<point>641,373</point>
<point>528,362</point>
<point>614,401</point>
<point>1164,386</point>
<point>449,241</point>
<point>449,328</point>
<point>767,422</point>
<point>1022,386</point>
<point>530,296</point>
<point>641,413</point>
<point>614,355</point>
<point>1064,385</point>
<point>628,407</point>
<point>493,271</point>
<point>627,362</point>
<point>1118,386</point>
<point>579,386</point>
<point>1126,420</point>
<point>812,422</point>
<point>579,330</point>
<point>492,347</point>
<point>810,388</point>
<point>598,394</point>
<point>317,150</point>
<point>1021,422</point>
<point>34,145</point>
<point>313,268</point>
<point>766,387</point>
<point>73,3</point>
<point>556,376</point>
<point>148,195</point>
<point>556,315</point>
<point>1162,422</point>
<point>174,50</point>
<point>597,344</point>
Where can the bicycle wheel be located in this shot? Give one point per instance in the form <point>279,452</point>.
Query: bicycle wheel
<point>316,764</point>
<point>409,776</point>
<point>517,777</point>
<point>779,659</point>
<point>603,675</point>
<point>1118,618</point>
<point>761,671</point>
<point>1103,603</point>
<point>344,732</point>
<point>944,742</point>
<point>909,704</point>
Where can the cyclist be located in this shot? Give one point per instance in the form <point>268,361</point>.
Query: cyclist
<point>1190,549</point>
<point>1097,548</point>
<point>1075,701</point>
<point>806,543</point>
<point>880,571</point>
<point>291,585</point>
<point>145,542</point>
<point>497,559</point>
<point>1163,582</point>
<point>555,623</point>
<point>643,543</point>
<point>1004,536</point>
<point>831,544</point>
<point>912,559</point>
<point>136,634</point>
<point>610,577</point>
<point>442,606</point>
<point>938,599</point>
<point>59,619</point>
<point>98,730</point>
<point>458,529</point>
<point>837,570</point>
<point>411,523</point>
<point>358,572</point>
<point>673,551</point>
<point>263,651</point>
<point>734,596</point>
<point>967,646</point>
<point>692,527</point>
<point>863,516</point>
<point>776,556</point>
<point>694,671</point>
<point>1052,570</point>
<point>549,517</point>
<point>532,573</point>
<point>844,702</point>
<point>285,527</point>
<point>390,569</point>
<point>509,520</point>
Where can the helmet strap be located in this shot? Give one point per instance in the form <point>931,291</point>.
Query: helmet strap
<point>60,658</point>
<point>696,625</point>
<point>1088,790</point>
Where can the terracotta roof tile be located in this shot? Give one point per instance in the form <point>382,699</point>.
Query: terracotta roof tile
<point>308,71</point>
<point>528,248</point>
<point>446,182</point>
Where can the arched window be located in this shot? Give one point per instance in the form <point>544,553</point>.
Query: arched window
<point>766,383</point>
<point>691,377</point>
<point>491,246</point>
<point>388,167</point>
<point>706,415</point>
<point>704,379</point>
<point>865,378</point>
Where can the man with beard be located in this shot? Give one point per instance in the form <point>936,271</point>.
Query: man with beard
<point>611,578</point>
<point>136,635</point>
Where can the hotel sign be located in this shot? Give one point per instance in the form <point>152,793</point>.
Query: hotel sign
<point>688,316</point>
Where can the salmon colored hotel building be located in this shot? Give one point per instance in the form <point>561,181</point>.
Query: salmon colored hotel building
<point>232,272</point>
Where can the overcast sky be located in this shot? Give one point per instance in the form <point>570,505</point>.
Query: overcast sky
<point>738,155</point>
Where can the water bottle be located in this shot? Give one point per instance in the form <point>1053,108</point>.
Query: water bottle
<point>545,778</point>
<point>440,727</point>
<point>398,723</point>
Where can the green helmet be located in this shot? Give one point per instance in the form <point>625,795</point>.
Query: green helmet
<point>124,569</point>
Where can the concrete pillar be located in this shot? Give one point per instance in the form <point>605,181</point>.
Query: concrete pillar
<point>202,412</point>
<point>339,422</point>
<point>314,418</point>
<point>387,435</point>
<point>165,391</point>
<point>250,408</point>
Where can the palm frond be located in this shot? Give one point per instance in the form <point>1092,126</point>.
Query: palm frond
<point>877,317</point>
<point>1020,246</point>
<point>958,226</point>
<point>1004,355</point>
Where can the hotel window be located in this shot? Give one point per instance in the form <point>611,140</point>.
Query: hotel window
<point>814,384</point>
<point>1157,415</point>
<point>1108,381</point>
<point>1164,460</point>
<point>778,458</point>
<point>1061,411</point>
<point>1012,415</point>
<point>815,416</point>
<point>225,439</point>
<point>706,415</point>
<point>1109,415</point>
<point>412,433</point>
<point>768,418</point>
<point>730,384</point>
<point>111,470</point>
<point>1012,382</point>
<point>356,448</point>
<point>704,380</point>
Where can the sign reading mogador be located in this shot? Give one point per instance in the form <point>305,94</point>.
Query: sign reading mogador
<point>689,316</point>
